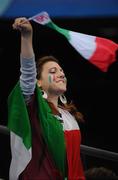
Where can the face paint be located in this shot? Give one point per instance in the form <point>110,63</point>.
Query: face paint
<point>50,78</point>
<point>54,77</point>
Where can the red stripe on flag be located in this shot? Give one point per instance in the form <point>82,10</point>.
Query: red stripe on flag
<point>105,53</point>
<point>75,169</point>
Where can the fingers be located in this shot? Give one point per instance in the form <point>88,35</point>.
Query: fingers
<point>20,22</point>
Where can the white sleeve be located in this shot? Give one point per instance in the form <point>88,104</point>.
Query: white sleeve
<point>28,76</point>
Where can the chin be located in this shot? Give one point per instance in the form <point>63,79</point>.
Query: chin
<point>63,90</point>
<point>57,90</point>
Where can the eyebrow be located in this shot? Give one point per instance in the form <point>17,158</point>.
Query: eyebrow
<point>54,68</point>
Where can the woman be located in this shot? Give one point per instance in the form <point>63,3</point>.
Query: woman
<point>55,132</point>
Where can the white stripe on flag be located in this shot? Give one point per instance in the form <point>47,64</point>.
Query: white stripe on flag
<point>69,121</point>
<point>20,156</point>
<point>84,44</point>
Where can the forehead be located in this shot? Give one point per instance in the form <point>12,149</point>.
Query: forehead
<point>50,64</point>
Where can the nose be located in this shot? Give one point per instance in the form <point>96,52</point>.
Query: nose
<point>61,74</point>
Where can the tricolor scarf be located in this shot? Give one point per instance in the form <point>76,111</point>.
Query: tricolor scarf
<point>99,51</point>
<point>21,142</point>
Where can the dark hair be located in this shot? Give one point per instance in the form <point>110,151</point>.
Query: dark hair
<point>74,111</point>
<point>41,61</point>
<point>69,107</point>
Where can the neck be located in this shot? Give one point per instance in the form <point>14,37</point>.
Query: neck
<point>54,100</point>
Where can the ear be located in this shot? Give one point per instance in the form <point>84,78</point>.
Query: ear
<point>39,83</point>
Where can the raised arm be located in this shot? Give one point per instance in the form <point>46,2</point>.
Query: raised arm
<point>28,67</point>
<point>24,26</point>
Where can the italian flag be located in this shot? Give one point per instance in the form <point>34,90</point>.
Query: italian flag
<point>99,51</point>
<point>20,133</point>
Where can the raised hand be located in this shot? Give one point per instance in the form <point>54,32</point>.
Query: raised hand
<point>23,25</point>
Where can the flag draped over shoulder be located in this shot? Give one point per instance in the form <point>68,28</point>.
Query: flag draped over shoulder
<point>97,50</point>
<point>21,142</point>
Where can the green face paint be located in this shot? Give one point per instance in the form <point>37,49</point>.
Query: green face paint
<point>49,78</point>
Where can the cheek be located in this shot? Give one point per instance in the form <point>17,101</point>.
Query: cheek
<point>51,78</point>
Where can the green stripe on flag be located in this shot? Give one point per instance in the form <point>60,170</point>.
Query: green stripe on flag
<point>53,132</point>
<point>18,120</point>
<point>64,32</point>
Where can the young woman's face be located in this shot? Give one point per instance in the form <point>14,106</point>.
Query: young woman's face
<point>53,79</point>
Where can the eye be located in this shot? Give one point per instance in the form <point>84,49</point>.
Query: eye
<point>52,71</point>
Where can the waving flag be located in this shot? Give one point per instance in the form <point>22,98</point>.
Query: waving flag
<point>97,50</point>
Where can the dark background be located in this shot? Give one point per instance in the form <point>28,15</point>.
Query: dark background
<point>95,93</point>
